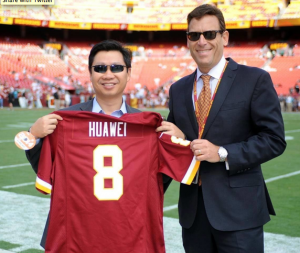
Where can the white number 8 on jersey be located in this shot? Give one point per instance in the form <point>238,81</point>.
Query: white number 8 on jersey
<point>108,172</point>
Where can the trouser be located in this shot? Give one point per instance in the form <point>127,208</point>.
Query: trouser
<point>203,238</point>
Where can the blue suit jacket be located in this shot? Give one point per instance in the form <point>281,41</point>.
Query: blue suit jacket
<point>245,119</point>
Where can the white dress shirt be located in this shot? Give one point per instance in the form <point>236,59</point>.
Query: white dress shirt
<point>118,113</point>
<point>215,74</point>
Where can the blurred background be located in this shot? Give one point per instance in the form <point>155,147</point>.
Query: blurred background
<point>45,48</point>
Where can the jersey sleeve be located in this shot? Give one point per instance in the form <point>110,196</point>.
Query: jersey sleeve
<point>177,159</point>
<point>43,181</point>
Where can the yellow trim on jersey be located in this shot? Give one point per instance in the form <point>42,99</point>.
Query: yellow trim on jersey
<point>191,172</point>
<point>43,186</point>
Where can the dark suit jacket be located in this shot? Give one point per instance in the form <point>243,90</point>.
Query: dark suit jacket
<point>33,155</point>
<point>246,120</point>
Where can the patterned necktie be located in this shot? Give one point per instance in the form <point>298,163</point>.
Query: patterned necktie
<point>204,100</point>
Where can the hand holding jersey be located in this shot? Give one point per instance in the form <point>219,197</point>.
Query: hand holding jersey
<point>170,129</point>
<point>208,151</point>
<point>45,125</point>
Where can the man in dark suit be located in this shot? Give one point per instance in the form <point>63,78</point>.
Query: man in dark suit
<point>110,70</point>
<point>224,210</point>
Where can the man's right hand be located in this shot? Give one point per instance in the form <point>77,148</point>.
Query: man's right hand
<point>170,129</point>
<point>45,125</point>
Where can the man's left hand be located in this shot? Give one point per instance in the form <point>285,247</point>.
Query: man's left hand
<point>205,150</point>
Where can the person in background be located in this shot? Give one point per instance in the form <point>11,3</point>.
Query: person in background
<point>56,95</point>
<point>11,98</point>
<point>2,95</point>
<point>67,99</point>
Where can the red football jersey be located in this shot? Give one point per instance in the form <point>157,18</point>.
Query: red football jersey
<point>104,176</point>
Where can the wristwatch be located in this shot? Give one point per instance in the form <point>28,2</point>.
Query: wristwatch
<point>222,152</point>
<point>31,133</point>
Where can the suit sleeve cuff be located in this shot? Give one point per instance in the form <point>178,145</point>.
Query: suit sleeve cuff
<point>37,140</point>
<point>227,165</point>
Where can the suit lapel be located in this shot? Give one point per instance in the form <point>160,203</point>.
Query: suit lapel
<point>224,87</point>
<point>189,102</point>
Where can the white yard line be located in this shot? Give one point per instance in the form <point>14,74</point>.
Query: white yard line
<point>17,185</point>
<point>20,249</point>
<point>4,141</point>
<point>292,131</point>
<point>13,166</point>
<point>282,176</point>
<point>168,208</point>
<point>24,217</point>
<point>8,128</point>
<point>5,251</point>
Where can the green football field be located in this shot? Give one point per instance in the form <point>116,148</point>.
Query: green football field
<point>23,209</point>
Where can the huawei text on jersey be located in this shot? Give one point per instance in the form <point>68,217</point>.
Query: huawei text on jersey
<point>107,129</point>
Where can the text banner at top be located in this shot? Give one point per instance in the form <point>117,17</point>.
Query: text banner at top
<point>27,2</point>
<point>6,20</point>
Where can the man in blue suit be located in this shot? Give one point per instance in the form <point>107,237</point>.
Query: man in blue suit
<point>224,210</point>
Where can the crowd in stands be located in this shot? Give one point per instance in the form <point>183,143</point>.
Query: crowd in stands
<point>36,97</point>
<point>31,77</point>
<point>140,97</point>
<point>291,102</point>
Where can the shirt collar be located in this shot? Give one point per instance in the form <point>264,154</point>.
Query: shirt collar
<point>97,108</point>
<point>216,71</point>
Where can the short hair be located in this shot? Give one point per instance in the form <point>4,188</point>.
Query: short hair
<point>207,9</point>
<point>110,45</point>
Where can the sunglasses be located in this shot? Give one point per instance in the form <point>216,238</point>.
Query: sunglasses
<point>208,35</point>
<point>113,68</point>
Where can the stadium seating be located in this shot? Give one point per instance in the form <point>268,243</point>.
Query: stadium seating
<point>157,71</point>
<point>148,11</point>
<point>250,10</point>
<point>22,61</point>
<point>243,49</point>
<point>26,12</point>
<point>8,70</point>
<point>292,10</point>
<point>17,48</point>
<point>249,61</point>
<point>49,65</point>
<point>296,49</point>
<point>165,64</point>
<point>284,73</point>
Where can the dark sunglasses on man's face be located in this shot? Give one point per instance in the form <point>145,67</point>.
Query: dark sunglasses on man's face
<point>115,68</point>
<point>208,35</point>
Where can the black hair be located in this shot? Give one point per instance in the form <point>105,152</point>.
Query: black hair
<point>110,45</point>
